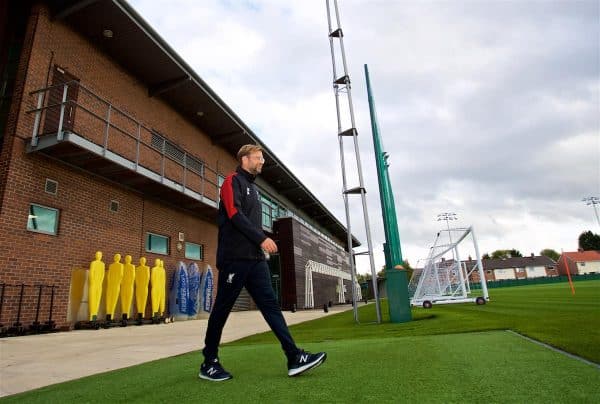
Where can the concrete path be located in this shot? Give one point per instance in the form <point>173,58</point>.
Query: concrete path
<point>34,361</point>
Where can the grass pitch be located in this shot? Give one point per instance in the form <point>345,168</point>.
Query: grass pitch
<point>451,353</point>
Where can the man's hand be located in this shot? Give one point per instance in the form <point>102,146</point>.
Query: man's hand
<point>269,246</point>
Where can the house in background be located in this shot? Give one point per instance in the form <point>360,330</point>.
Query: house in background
<point>533,266</point>
<point>579,262</point>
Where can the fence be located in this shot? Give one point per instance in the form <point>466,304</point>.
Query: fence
<point>535,281</point>
<point>71,107</point>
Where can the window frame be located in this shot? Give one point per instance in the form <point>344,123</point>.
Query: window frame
<point>57,219</point>
<point>149,233</point>
<point>193,258</point>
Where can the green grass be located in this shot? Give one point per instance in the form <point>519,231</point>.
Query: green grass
<point>548,313</point>
<point>446,355</point>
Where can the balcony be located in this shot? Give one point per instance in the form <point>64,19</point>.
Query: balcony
<point>78,127</point>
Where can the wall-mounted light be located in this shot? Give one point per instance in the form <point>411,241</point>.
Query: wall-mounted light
<point>200,113</point>
<point>107,33</point>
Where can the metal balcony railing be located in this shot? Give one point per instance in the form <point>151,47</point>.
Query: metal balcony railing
<point>71,113</point>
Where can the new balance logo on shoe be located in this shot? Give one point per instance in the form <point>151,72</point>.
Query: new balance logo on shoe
<point>213,371</point>
<point>230,278</point>
<point>305,361</point>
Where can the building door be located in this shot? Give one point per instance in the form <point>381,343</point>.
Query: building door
<point>55,96</point>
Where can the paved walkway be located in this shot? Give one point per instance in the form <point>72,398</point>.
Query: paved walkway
<point>34,361</point>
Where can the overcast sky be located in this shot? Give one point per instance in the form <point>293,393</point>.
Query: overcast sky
<point>488,109</point>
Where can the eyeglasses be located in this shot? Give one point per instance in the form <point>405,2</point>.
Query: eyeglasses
<point>259,158</point>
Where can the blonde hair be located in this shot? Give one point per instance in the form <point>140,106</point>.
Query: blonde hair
<point>247,150</point>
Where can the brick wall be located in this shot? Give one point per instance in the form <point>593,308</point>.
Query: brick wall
<point>86,223</point>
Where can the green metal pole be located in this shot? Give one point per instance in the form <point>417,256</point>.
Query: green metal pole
<point>396,280</point>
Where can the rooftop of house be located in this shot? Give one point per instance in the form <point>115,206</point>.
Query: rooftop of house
<point>505,263</point>
<point>581,256</point>
<point>515,262</point>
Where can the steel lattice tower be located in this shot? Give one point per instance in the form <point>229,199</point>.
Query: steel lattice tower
<point>341,87</point>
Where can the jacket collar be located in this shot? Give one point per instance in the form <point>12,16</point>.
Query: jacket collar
<point>246,174</point>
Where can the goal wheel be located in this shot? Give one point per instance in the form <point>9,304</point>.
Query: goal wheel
<point>480,301</point>
<point>427,304</point>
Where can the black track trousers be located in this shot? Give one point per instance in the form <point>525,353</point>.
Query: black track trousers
<point>255,276</point>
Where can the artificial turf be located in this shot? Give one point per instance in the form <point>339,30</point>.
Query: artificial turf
<point>446,355</point>
<point>548,313</point>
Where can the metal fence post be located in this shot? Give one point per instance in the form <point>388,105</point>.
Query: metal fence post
<point>137,152</point>
<point>107,129</point>
<point>38,116</point>
<point>184,170</point>
<point>202,179</point>
<point>59,134</point>
<point>162,162</point>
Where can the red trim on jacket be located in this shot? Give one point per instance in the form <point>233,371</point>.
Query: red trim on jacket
<point>227,196</point>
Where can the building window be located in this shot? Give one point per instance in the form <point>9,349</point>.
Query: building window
<point>271,210</point>
<point>42,219</point>
<point>267,218</point>
<point>194,251</point>
<point>155,243</point>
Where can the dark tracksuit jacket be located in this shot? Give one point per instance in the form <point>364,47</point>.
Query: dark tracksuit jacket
<point>240,235</point>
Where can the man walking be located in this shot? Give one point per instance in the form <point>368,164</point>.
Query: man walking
<point>241,262</point>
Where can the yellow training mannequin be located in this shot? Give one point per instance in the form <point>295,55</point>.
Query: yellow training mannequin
<point>155,280</point>
<point>163,287</point>
<point>142,277</point>
<point>115,276</point>
<point>127,286</point>
<point>95,279</point>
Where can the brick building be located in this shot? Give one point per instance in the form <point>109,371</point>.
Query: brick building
<point>579,262</point>
<point>111,142</point>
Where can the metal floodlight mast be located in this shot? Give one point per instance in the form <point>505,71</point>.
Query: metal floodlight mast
<point>594,201</point>
<point>447,216</point>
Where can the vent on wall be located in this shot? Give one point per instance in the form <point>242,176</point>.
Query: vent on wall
<point>114,206</point>
<point>51,187</point>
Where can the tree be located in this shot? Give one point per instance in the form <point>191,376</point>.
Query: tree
<point>486,256</point>
<point>550,253</point>
<point>506,253</point>
<point>362,278</point>
<point>514,253</point>
<point>409,270</point>
<point>500,254</point>
<point>589,241</point>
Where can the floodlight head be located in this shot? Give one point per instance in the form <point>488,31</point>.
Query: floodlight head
<point>591,200</point>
